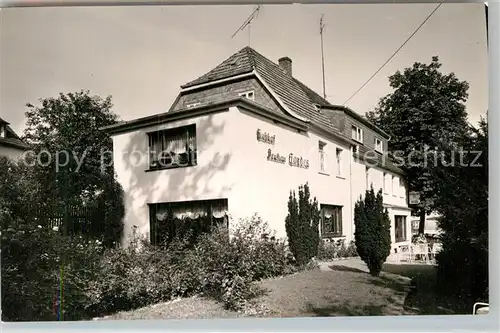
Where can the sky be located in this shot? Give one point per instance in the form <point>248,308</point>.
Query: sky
<point>141,55</point>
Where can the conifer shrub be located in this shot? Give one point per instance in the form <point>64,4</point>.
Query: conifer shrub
<point>372,234</point>
<point>302,225</point>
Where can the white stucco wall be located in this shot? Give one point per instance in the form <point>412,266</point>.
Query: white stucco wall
<point>232,164</point>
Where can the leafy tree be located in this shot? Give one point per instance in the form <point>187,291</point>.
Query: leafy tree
<point>73,162</point>
<point>462,200</point>
<point>372,231</point>
<point>302,225</point>
<point>425,109</point>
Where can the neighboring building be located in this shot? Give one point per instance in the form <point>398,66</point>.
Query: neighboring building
<point>11,144</point>
<point>242,137</point>
<point>431,225</point>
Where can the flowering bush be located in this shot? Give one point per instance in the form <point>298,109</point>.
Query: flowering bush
<point>217,266</point>
<point>40,266</point>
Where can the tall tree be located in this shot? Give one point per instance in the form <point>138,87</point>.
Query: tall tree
<point>426,109</point>
<point>73,156</point>
<point>462,201</point>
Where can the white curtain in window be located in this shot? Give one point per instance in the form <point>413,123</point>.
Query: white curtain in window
<point>161,216</point>
<point>191,211</point>
<point>219,209</point>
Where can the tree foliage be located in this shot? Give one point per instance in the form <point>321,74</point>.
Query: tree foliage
<point>462,200</point>
<point>302,225</point>
<point>73,159</point>
<point>372,231</point>
<point>426,109</point>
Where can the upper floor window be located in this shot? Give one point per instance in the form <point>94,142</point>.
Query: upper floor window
<point>357,134</point>
<point>248,94</point>
<point>2,131</point>
<point>385,183</point>
<point>367,176</point>
<point>402,189</point>
<point>338,156</point>
<point>331,220</point>
<point>379,145</point>
<point>173,148</point>
<point>393,185</point>
<point>322,156</point>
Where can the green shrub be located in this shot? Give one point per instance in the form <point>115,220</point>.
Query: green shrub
<point>217,266</point>
<point>39,262</point>
<point>336,249</point>
<point>372,234</point>
<point>302,225</point>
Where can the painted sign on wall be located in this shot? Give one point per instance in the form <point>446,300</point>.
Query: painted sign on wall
<point>294,161</point>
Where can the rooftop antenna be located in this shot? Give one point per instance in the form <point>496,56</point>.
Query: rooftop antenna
<point>248,23</point>
<point>321,28</point>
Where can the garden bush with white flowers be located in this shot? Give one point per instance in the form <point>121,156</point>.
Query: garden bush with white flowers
<point>38,262</point>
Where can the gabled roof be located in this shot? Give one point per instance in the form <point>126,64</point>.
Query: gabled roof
<point>296,96</point>
<point>11,139</point>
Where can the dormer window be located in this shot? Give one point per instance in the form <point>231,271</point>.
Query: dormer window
<point>192,105</point>
<point>379,145</point>
<point>357,134</point>
<point>248,94</point>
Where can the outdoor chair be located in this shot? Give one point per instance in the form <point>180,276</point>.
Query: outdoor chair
<point>405,253</point>
<point>436,248</point>
<point>480,308</point>
<point>421,250</point>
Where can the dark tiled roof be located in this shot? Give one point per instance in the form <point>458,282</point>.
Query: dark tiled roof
<point>237,64</point>
<point>295,95</point>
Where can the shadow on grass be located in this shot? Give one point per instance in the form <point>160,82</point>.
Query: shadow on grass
<point>345,310</point>
<point>342,268</point>
<point>425,298</point>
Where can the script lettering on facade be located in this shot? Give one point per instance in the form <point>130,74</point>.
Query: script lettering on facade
<point>275,157</point>
<point>265,137</point>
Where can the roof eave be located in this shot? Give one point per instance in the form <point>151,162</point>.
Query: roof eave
<point>201,110</point>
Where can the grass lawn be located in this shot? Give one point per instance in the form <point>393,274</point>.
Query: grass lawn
<point>341,291</point>
<point>424,299</point>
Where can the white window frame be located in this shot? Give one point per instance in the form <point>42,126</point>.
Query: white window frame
<point>248,94</point>
<point>338,157</point>
<point>192,105</point>
<point>379,145</point>
<point>322,157</point>
<point>358,135</point>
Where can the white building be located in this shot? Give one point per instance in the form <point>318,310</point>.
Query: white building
<point>10,144</point>
<point>242,137</point>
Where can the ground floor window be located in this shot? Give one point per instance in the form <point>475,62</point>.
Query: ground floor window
<point>400,228</point>
<point>176,219</point>
<point>331,220</point>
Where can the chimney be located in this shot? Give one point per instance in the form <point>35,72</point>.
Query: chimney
<point>286,65</point>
